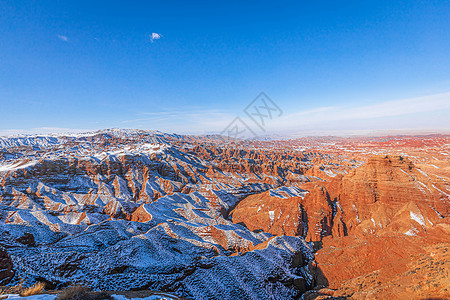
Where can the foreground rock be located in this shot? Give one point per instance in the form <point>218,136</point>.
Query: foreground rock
<point>390,266</point>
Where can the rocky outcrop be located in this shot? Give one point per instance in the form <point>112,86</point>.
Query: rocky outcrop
<point>209,218</point>
<point>150,211</point>
<point>373,224</point>
<point>278,211</point>
<point>371,195</point>
<point>299,213</point>
<point>394,266</point>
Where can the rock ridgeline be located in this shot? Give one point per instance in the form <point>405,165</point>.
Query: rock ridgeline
<point>210,218</point>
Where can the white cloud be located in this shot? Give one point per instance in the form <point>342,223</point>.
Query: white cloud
<point>413,114</point>
<point>405,114</point>
<point>155,36</point>
<point>63,38</point>
<point>361,114</point>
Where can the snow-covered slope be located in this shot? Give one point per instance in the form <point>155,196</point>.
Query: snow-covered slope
<point>132,209</point>
<point>210,218</point>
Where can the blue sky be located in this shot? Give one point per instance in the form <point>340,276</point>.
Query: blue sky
<point>193,66</point>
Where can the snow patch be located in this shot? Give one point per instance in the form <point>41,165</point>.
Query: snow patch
<point>418,218</point>
<point>16,166</point>
<point>287,192</point>
<point>423,173</point>
<point>411,232</point>
<point>272,215</point>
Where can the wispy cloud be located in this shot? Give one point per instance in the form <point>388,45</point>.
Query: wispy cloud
<point>358,114</point>
<point>155,36</point>
<point>63,38</point>
<point>339,119</point>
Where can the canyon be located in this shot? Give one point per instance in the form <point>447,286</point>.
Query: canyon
<point>209,217</point>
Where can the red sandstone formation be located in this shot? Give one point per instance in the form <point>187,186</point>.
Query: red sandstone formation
<point>374,223</point>
<point>391,266</point>
<point>376,209</point>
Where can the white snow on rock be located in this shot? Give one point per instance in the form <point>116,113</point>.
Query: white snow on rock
<point>16,166</point>
<point>287,192</point>
<point>133,209</point>
<point>418,218</point>
<point>272,215</point>
<point>412,232</point>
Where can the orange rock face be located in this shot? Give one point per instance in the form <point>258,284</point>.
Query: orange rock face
<point>383,228</point>
<point>288,216</point>
<point>393,266</point>
<point>398,233</point>
<point>271,214</point>
<point>375,210</point>
<point>383,186</point>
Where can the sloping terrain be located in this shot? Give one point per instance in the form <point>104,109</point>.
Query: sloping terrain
<point>119,210</point>
<point>371,226</point>
<point>211,218</point>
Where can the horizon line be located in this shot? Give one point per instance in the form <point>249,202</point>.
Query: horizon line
<point>54,131</point>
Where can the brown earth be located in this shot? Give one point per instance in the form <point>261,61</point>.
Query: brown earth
<point>383,226</point>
